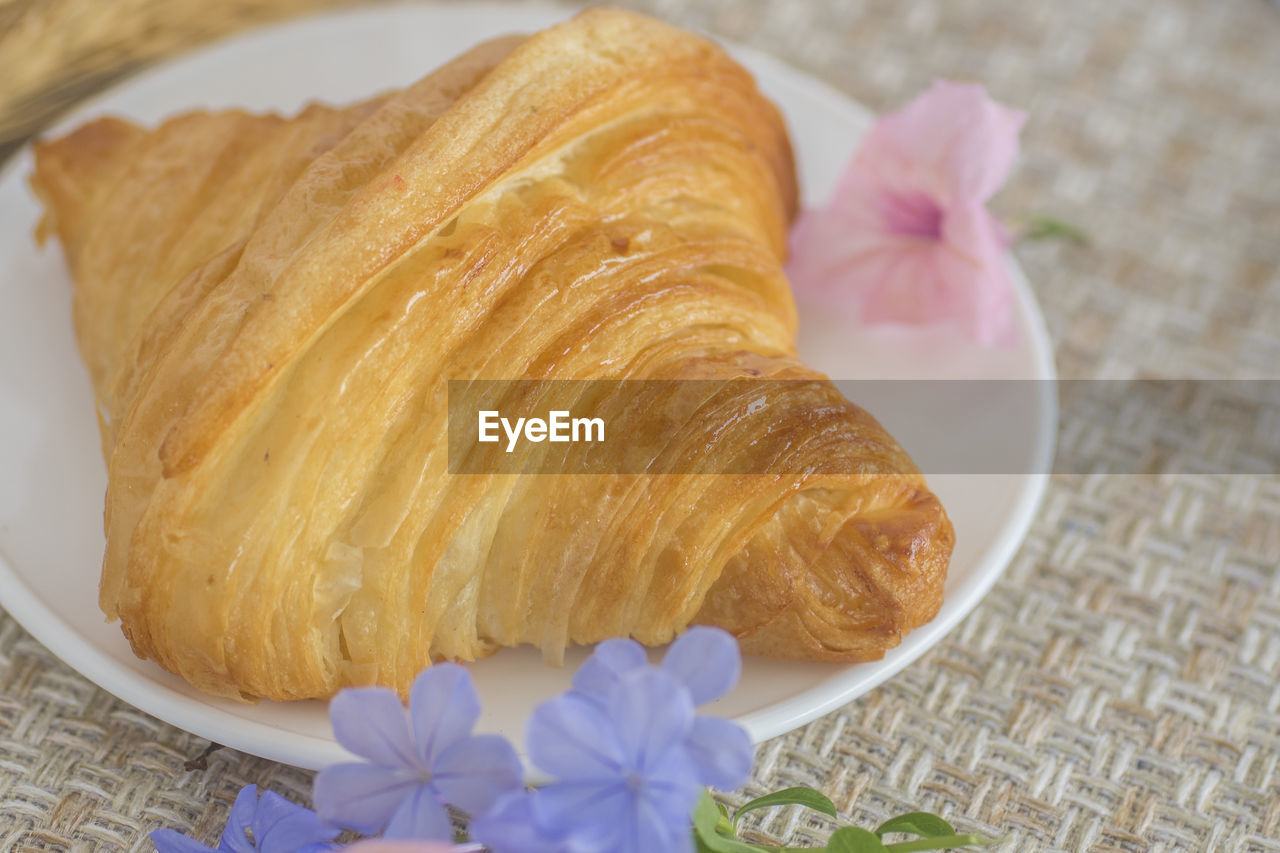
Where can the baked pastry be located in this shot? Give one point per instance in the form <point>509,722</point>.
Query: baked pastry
<point>269,309</point>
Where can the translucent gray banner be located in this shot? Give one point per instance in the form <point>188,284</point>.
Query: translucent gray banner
<point>769,426</point>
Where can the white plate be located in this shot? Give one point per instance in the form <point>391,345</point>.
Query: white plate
<point>53,478</point>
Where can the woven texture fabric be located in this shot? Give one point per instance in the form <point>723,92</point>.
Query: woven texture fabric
<point>1119,689</point>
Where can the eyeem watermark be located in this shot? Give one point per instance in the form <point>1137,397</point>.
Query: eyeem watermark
<point>811,427</point>
<point>559,426</point>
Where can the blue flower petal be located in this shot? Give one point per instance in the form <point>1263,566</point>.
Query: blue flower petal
<point>420,816</point>
<point>372,723</point>
<point>706,660</point>
<point>648,829</point>
<point>588,813</point>
<point>280,826</point>
<point>652,713</point>
<point>473,772</point>
<point>671,786</point>
<point>509,827</point>
<point>360,796</point>
<point>722,752</point>
<point>318,847</point>
<point>443,707</point>
<point>570,736</point>
<point>234,835</point>
<point>169,841</point>
<point>610,660</point>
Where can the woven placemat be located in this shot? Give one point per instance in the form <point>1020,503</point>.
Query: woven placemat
<point>1119,689</point>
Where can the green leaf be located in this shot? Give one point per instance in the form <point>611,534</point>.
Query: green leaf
<point>854,839</point>
<point>724,825</point>
<point>706,814</point>
<point>706,817</point>
<point>917,823</point>
<point>713,833</point>
<point>798,796</point>
<point>1049,228</point>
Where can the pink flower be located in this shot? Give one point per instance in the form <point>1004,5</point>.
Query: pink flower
<point>906,235</point>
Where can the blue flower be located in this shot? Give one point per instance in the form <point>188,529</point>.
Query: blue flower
<point>418,761</point>
<point>271,824</point>
<point>624,780</point>
<point>707,662</point>
<point>627,753</point>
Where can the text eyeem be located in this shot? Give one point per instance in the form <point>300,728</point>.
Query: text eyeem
<point>559,426</point>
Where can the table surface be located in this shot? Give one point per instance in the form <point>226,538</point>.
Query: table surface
<point>1119,689</point>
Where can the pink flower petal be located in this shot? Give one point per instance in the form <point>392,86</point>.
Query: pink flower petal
<point>983,288</point>
<point>953,143</point>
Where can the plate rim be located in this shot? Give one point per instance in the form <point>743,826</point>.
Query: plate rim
<point>301,749</point>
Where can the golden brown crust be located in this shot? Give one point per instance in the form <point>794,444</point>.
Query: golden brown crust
<point>845,595</point>
<point>270,307</point>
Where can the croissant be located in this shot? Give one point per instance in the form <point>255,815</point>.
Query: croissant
<point>271,309</point>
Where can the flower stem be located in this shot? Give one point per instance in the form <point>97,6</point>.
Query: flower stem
<point>1051,228</point>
